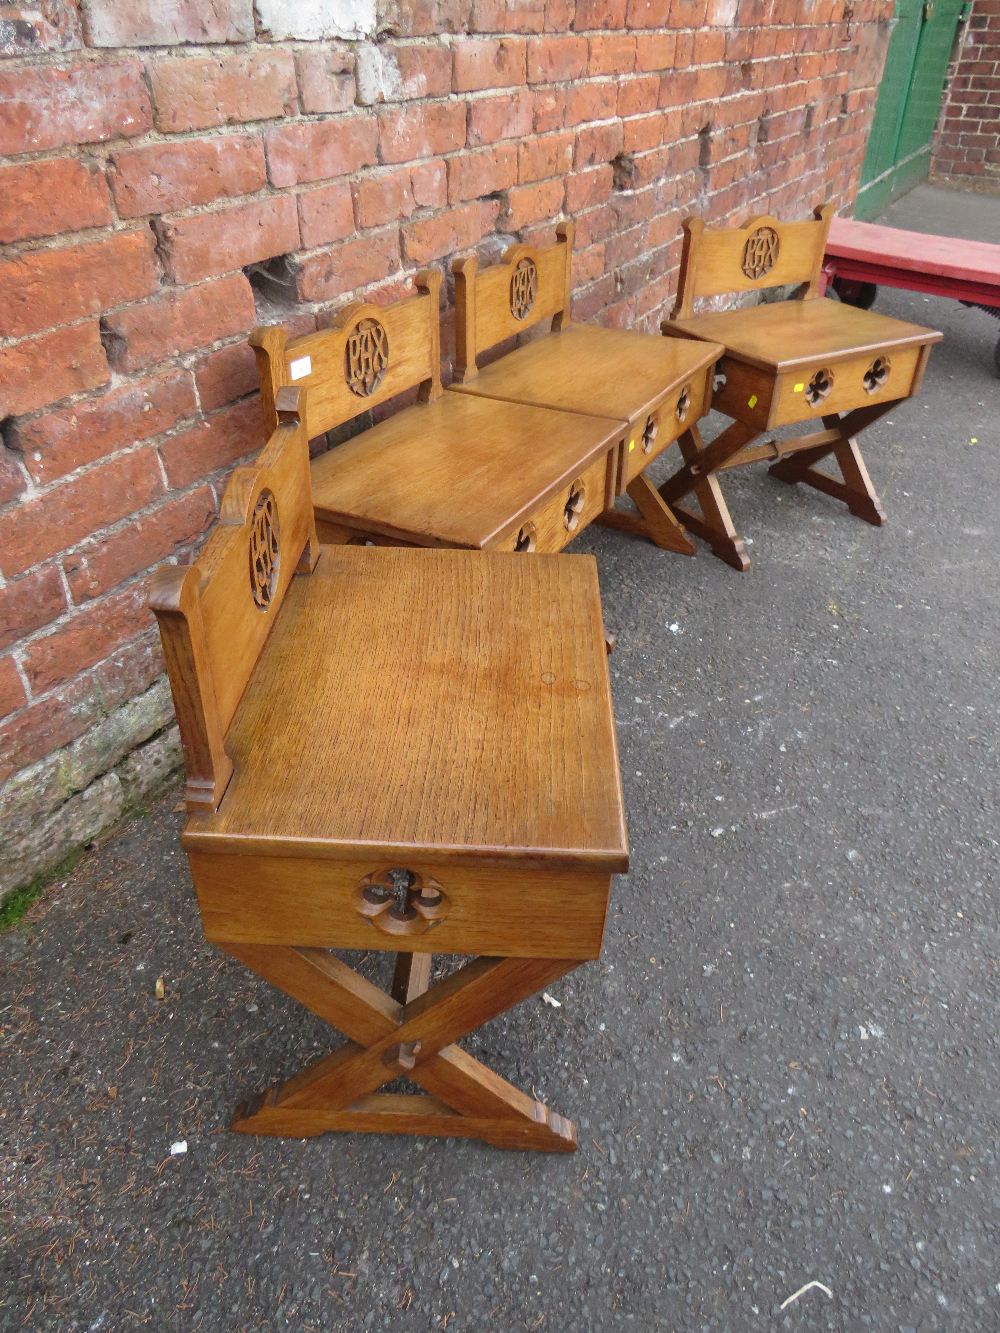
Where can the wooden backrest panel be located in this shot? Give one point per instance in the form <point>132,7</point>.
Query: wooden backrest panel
<point>370,353</point>
<point>530,284</point>
<point>215,614</point>
<point>764,253</point>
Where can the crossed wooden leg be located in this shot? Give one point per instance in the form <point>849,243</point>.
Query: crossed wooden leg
<point>654,521</point>
<point>409,1033</point>
<point>697,477</point>
<point>840,440</point>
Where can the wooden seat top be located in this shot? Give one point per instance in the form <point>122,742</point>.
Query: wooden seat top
<point>784,335</point>
<point>613,373</point>
<point>915,251</point>
<point>425,701</point>
<point>458,470</point>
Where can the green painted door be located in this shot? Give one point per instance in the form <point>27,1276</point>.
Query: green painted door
<point>899,146</point>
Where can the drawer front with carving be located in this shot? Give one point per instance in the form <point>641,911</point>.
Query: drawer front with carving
<point>671,416</point>
<point>842,386</point>
<point>564,515</point>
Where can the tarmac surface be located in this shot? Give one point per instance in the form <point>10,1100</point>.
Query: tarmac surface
<point>784,1069</point>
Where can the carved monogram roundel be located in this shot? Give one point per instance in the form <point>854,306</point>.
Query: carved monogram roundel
<point>264,551</point>
<point>523,288</point>
<point>760,252</point>
<point>366,357</point>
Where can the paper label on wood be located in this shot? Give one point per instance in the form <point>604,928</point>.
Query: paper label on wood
<point>300,368</point>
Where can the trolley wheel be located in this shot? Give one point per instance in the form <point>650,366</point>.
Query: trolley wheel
<point>852,292</point>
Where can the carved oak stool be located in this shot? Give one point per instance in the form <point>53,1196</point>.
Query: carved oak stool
<point>615,373</point>
<point>446,471</point>
<point>785,362</point>
<point>398,750</point>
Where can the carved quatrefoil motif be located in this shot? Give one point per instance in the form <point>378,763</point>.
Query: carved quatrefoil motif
<point>649,434</point>
<point>401,902</point>
<point>574,505</point>
<point>264,550</point>
<point>525,539</point>
<point>877,374</point>
<point>760,252</point>
<point>684,403</point>
<point>366,357</point>
<point>819,387</point>
<point>523,288</point>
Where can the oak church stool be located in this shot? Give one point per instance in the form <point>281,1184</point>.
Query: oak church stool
<point>398,750</point>
<point>445,471</point>
<point>785,362</point>
<point>620,374</point>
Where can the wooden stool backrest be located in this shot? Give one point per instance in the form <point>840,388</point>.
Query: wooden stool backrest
<point>369,353</point>
<point>765,253</point>
<point>529,284</point>
<point>215,615</point>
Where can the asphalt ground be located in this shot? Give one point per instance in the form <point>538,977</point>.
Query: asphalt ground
<point>784,1068</point>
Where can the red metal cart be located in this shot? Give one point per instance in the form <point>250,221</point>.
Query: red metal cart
<point>862,255</point>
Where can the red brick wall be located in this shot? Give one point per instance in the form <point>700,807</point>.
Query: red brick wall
<point>154,152</point>
<point>967,146</point>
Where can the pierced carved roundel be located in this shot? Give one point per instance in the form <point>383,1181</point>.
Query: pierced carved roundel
<point>877,374</point>
<point>819,387</point>
<point>264,552</point>
<point>760,252</point>
<point>523,288</point>
<point>573,507</point>
<point>398,901</point>
<point>366,357</point>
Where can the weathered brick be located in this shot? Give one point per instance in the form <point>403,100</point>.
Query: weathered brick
<point>346,268</point>
<point>598,15</point>
<point>316,150</point>
<point>40,289</point>
<point>164,177</point>
<point>45,198</point>
<point>391,72</point>
<point>180,321</point>
<point>637,97</point>
<point>46,107</point>
<point>29,28</point>
<point>46,524</point>
<point>225,375</point>
<point>584,189</point>
<point>315,22</point>
<point>612,53</point>
<point>215,443</point>
<point>59,442</point>
<point>475,174</point>
<point>39,371</point>
<point>29,603</point>
<point>49,723</point>
<point>422,130</point>
<point>390,195</point>
<point>326,214</point>
<point>488,62</point>
<point>648,13</point>
<point>230,238</point>
<point>599,143</point>
<point>552,155</point>
<point>198,92</point>
<point>12,479</point>
<point>98,566</point>
<point>526,204</point>
<point>326,80</point>
<point>656,51</point>
<point>556,59</point>
<point>494,118</point>
<point>152,23</point>
<point>12,695</point>
<point>85,639</point>
<point>443,234</point>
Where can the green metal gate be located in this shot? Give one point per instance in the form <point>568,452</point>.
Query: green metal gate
<point>899,147</point>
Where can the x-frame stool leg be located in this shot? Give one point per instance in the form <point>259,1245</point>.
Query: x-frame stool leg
<point>387,1039</point>
<point>856,489</point>
<point>655,520</point>
<point>714,524</point>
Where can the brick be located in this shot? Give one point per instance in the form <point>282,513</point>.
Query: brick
<point>638,97</point>
<point>39,371</point>
<point>12,479</point>
<point>46,524</point>
<point>29,603</point>
<point>648,13</point>
<point>598,144</point>
<point>429,184</point>
<point>551,155</point>
<point>85,639</point>
<point>596,100</point>
<point>326,214</point>
<point>494,118</point>
<point>532,203</point>
<point>49,724</point>
<point>12,695</point>
<point>213,444</point>
<point>657,51</point>
<point>100,565</point>
<point>584,189</point>
<point>489,63</point>
<point>425,130</point>
<point>43,288</point>
<point>51,106</point>
<point>344,268</point>
<point>59,442</point>
<point>476,174</point>
<point>46,198</point>
<point>226,375</point>
<point>459,229</point>
<point>326,80</point>
<point>316,20</point>
<point>165,177</point>
<point>152,23</point>
<point>390,72</point>
<point>557,59</point>
<point>599,15</point>
<point>29,28</point>
<point>229,238</point>
<point>180,321</point>
<point>612,53</point>
<point>396,194</point>
<point>199,92</point>
<point>316,150</point>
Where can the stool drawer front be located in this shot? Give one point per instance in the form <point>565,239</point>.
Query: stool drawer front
<point>671,416</point>
<point>449,908</point>
<point>841,386</point>
<point>564,515</point>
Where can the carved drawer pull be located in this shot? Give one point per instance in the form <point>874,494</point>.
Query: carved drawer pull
<point>574,505</point>
<point>401,902</point>
<point>877,374</point>
<point>819,387</point>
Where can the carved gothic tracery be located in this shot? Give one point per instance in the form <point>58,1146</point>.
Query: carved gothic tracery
<point>264,550</point>
<point>366,357</point>
<point>760,252</point>
<point>523,288</point>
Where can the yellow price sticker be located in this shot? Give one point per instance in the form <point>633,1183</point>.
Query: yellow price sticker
<point>631,445</point>
<point>752,400</point>
<point>799,388</point>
